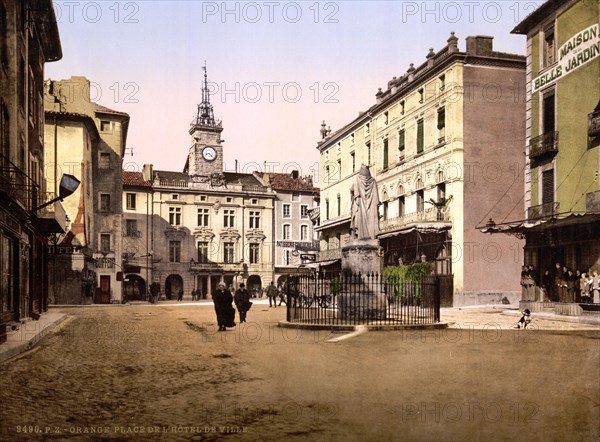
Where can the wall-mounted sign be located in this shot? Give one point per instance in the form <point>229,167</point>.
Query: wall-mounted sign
<point>579,50</point>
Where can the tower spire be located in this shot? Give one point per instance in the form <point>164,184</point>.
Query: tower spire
<point>205,115</point>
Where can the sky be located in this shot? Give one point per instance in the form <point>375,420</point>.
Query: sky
<point>276,69</point>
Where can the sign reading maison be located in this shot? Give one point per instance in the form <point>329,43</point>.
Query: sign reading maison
<point>580,49</point>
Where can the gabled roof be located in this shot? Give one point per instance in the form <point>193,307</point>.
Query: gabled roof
<point>74,116</point>
<point>285,181</point>
<point>245,179</point>
<point>135,179</point>
<point>104,110</point>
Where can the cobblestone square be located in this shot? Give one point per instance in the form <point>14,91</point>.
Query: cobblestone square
<point>163,372</point>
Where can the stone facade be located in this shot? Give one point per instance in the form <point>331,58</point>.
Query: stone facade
<point>294,240</point>
<point>96,157</point>
<point>29,38</point>
<point>436,141</point>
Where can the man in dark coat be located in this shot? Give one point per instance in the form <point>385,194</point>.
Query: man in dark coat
<point>222,299</point>
<point>242,301</point>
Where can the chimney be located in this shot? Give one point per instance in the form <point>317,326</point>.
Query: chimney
<point>294,174</point>
<point>147,172</point>
<point>480,45</point>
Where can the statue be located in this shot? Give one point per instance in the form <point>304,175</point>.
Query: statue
<point>364,222</point>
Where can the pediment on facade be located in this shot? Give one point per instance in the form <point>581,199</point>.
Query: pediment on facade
<point>175,233</point>
<point>230,234</point>
<point>204,234</point>
<point>255,235</point>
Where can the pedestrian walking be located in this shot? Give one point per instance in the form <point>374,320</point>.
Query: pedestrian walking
<point>272,295</point>
<point>180,295</point>
<point>282,294</point>
<point>242,301</point>
<point>222,299</point>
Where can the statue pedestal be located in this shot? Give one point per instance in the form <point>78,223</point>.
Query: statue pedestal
<point>362,296</point>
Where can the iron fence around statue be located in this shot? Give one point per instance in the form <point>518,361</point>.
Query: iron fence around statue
<point>353,299</point>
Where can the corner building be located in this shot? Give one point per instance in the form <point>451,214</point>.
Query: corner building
<point>562,190</point>
<point>444,143</point>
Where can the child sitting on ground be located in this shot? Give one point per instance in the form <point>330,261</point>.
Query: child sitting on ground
<point>525,319</point>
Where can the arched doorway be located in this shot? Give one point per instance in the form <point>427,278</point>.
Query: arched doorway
<point>134,288</point>
<point>173,284</point>
<point>254,286</point>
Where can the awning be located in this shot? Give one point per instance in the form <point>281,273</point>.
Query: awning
<point>319,264</point>
<point>573,219</point>
<point>420,228</point>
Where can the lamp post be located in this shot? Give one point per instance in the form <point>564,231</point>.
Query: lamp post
<point>68,185</point>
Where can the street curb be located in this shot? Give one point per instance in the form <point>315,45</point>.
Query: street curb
<point>555,317</point>
<point>11,349</point>
<point>370,327</point>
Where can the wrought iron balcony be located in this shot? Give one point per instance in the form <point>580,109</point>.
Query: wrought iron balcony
<point>18,185</point>
<point>548,210</point>
<point>432,214</point>
<point>546,144</point>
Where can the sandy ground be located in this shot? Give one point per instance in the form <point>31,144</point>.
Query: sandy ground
<point>163,372</point>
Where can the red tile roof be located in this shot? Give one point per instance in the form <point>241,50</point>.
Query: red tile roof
<point>105,110</point>
<point>135,179</point>
<point>285,181</point>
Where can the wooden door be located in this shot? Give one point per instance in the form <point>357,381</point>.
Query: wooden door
<point>105,289</point>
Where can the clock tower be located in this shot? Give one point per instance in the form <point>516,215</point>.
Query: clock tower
<point>205,157</point>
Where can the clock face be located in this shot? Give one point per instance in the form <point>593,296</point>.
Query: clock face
<point>209,154</point>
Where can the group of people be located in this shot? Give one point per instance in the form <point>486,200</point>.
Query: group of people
<point>222,299</point>
<point>561,284</point>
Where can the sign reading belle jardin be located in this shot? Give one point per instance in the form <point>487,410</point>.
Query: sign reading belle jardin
<point>580,49</point>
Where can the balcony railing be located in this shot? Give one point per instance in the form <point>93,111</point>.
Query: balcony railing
<point>18,185</point>
<point>432,214</point>
<point>174,183</point>
<point>548,210</point>
<point>254,189</point>
<point>543,145</point>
